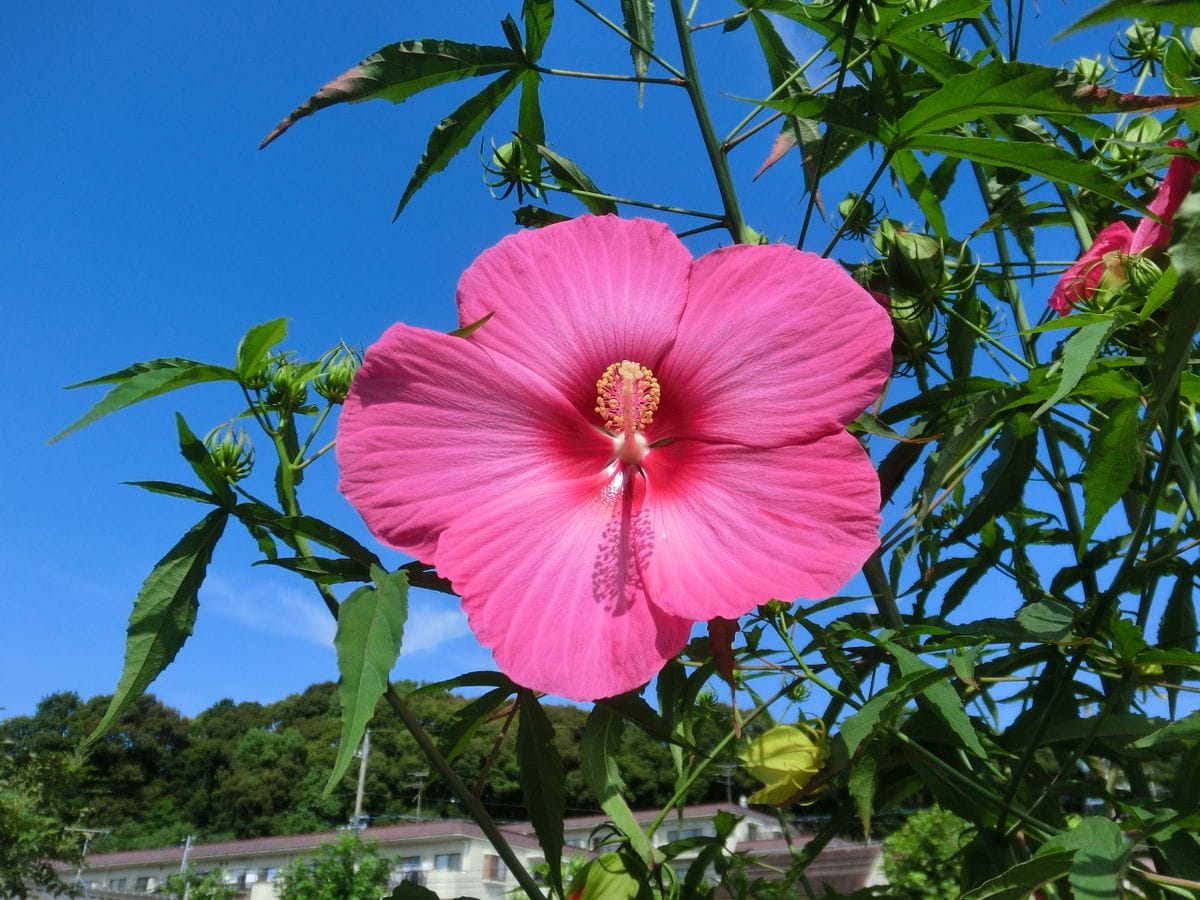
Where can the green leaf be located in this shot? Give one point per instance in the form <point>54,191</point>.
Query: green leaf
<point>862,789</point>
<point>1177,631</point>
<point>942,13</point>
<point>468,679</point>
<point>1050,620</point>
<point>141,382</point>
<point>883,707</point>
<point>542,781</point>
<point>163,615</point>
<point>457,734</point>
<point>598,750</point>
<point>370,629</point>
<point>1017,88</point>
<point>531,127</point>
<point>1181,11</point>
<point>398,71</point>
<point>1023,879</point>
<point>605,878</point>
<point>1177,735</point>
<point>456,131</point>
<point>1044,160</point>
<point>1183,312</point>
<point>1110,466</point>
<point>570,176</point>
<point>322,533</point>
<point>1004,480</point>
<point>1101,855</point>
<point>255,346</point>
<point>639,24</point>
<point>176,490</point>
<point>198,458</point>
<point>944,699</point>
<point>1078,354</point>
<point>538,16</point>
<point>909,169</point>
<point>320,570</point>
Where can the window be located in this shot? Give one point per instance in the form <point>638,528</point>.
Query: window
<point>268,874</point>
<point>117,884</point>
<point>142,884</point>
<point>448,862</point>
<point>674,835</point>
<point>493,869</point>
<point>752,832</point>
<point>408,863</point>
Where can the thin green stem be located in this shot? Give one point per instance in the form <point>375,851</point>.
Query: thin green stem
<point>603,76</point>
<point>716,155</point>
<point>299,461</point>
<point>609,23</point>
<point>643,204</point>
<point>847,219</point>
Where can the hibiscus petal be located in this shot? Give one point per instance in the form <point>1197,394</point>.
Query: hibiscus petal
<point>436,426</point>
<point>735,526</point>
<point>572,298</point>
<point>1079,282</point>
<point>1167,199</point>
<point>551,581</point>
<point>775,346</point>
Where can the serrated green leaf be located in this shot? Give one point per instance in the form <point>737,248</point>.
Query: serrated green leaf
<point>194,451</point>
<point>369,633</point>
<point>321,570</point>
<point>163,615</point>
<point>141,382</point>
<point>542,782</point>
<point>531,127</point>
<point>1079,352</point>
<point>941,13</point>
<point>463,725</point>
<point>468,679</point>
<point>398,71</point>
<point>862,789</point>
<point>569,175</point>
<point>455,131</point>
<point>1018,88</point>
<point>176,490</point>
<point>598,750</point>
<point>1179,734</point>
<point>883,707</point>
<point>322,533</point>
<point>1101,855</point>
<point>1183,311</point>
<point>1022,880</point>
<point>909,170</point>
<point>1110,466</point>
<point>538,16</point>
<point>1177,631</point>
<point>1181,11</point>
<point>1044,160</point>
<point>944,699</point>
<point>605,878</point>
<point>1004,479</point>
<point>255,346</point>
<point>1047,619</point>
<point>638,16</point>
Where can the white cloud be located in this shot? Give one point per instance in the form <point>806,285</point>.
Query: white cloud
<point>266,606</point>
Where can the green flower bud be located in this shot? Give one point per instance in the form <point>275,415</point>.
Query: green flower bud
<point>337,372</point>
<point>287,390</point>
<point>915,263</point>
<point>785,759</point>
<point>1143,46</point>
<point>1093,71</point>
<point>231,452</point>
<point>911,317</point>
<point>858,214</point>
<point>1143,273</point>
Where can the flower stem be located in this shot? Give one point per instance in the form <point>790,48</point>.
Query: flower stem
<point>627,36</point>
<point>604,76</point>
<point>716,156</point>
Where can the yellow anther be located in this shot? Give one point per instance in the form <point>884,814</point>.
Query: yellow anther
<point>627,396</point>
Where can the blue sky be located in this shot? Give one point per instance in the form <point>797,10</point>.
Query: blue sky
<point>143,222</point>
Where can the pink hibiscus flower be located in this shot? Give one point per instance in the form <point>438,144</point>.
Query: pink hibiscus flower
<point>634,441</point>
<point>1083,278</point>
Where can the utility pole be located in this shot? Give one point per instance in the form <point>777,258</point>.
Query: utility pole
<point>187,882</point>
<point>87,839</point>
<point>419,783</point>
<point>358,821</point>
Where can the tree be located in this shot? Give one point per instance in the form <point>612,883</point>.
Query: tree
<point>922,858</point>
<point>210,887</point>
<point>349,869</point>
<point>39,801</point>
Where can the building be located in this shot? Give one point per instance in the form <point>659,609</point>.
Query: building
<point>453,858</point>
